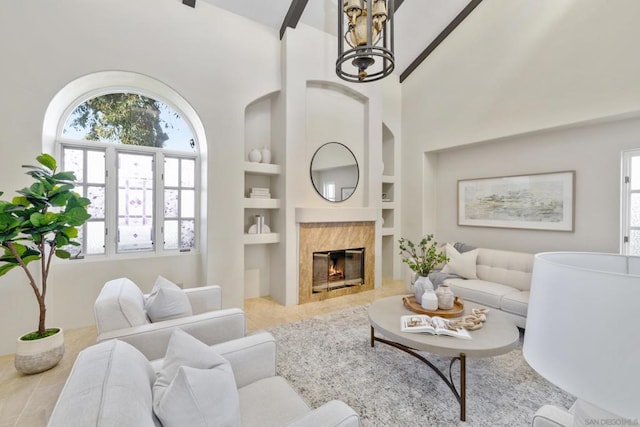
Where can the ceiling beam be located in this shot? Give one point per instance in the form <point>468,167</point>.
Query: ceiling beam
<point>191,3</point>
<point>293,15</point>
<point>443,35</point>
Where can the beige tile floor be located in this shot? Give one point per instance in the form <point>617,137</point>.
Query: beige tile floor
<point>27,400</point>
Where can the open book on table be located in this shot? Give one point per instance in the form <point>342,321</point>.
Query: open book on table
<point>421,323</point>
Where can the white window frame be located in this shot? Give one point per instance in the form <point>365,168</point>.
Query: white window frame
<point>111,204</point>
<point>625,201</point>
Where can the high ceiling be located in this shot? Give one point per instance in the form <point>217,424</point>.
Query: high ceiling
<point>418,23</point>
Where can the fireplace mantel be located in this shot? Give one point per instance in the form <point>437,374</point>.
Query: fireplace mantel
<point>311,215</point>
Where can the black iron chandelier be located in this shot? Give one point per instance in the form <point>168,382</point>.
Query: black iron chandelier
<point>370,35</point>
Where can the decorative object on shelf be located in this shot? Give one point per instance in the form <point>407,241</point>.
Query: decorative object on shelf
<point>543,201</point>
<point>429,300</point>
<point>445,297</point>
<point>370,36</point>
<point>421,258</point>
<point>411,304</point>
<point>255,156</point>
<point>472,321</point>
<point>259,223</point>
<point>266,155</point>
<point>36,226</point>
<point>254,230</point>
<point>259,193</point>
<point>385,198</point>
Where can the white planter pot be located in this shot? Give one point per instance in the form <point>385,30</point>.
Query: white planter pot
<point>39,355</point>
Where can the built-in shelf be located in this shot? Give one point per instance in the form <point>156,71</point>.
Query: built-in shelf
<point>259,239</point>
<point>388,205</point>
<point>256,203</point>
<point>388,231</point>
<point>262,168</point>
<point>388,179</point>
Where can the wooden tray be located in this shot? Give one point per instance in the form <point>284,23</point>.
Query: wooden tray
<point>457,310</point>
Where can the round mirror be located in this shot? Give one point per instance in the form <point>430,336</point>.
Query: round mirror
<point>334,172</point>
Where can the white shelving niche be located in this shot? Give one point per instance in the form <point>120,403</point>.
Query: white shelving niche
<point>389,205</point>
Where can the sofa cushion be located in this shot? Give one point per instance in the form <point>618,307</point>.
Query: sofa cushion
<point>285,405</point>
<point>516,303</point>
<point>505,267</point>
<point>462,264</point>
<point>109,385</point>
<point>119,305</point>
<point>201,398</point>
<point>480,291</point>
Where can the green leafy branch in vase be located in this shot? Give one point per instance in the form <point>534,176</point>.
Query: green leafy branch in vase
<point>423,257</point>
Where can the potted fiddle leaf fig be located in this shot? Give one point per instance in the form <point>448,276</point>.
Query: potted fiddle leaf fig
<point>35,226</point>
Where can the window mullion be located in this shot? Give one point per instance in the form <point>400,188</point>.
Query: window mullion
<point>111,202</point>
<point>159,203</point>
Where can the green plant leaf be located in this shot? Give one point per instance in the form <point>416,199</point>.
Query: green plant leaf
<point>4,269</point>
<point>64,176</point>
<point>62,254</point>
<point>47,161</point>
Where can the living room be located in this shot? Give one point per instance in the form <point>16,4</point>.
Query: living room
<point>518,88</point>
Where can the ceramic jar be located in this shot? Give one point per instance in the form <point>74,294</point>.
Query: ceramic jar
<point>445,297</point>
<point>255,156</point>
<point>420,285</point>
<point>266,155</point>
<point>429,300</point>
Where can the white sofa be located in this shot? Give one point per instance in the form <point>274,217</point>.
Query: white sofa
<point>110,385</point>
<point>120,313</point>
<point>503,283</point>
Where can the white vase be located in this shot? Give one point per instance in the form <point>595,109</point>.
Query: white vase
<point>266,155</point>
<point>421,284</point>
<point>445,297</point>
<point>255,156</point>
<point>429,300</point>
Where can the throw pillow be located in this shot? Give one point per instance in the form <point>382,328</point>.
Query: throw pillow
<point>163,282</point>
<point>167,301</point>
<point>195,382</point>
<point>463,265</point>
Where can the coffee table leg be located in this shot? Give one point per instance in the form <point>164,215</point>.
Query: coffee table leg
<point>463,387</point>
<point>372,337</point>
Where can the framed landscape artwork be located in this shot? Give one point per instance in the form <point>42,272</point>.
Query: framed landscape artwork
<point>542,201</point>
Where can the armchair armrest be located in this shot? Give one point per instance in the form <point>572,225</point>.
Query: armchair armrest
<point>333,413</point>
<point>204,298</point>
<point>211,328</point>
<point>252,358</point>
<point>552,416</point>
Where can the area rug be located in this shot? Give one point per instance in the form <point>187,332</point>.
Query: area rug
<point>329,357</point>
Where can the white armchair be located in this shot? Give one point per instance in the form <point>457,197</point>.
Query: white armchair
<point>120,313</point>
<point>581,413</point>
<point>111,384</point>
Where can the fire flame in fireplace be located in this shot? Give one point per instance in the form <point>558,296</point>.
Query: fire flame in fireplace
<point>335,274</point>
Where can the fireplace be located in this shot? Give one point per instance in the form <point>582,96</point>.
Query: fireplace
<point>337,269</point>
<point>325,269</point>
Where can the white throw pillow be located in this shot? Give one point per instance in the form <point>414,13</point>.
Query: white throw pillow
<point>167,301</point>
<point>195,386</point>
<point>200,397</point>
<point>464,265</point>
<point>163,282</point>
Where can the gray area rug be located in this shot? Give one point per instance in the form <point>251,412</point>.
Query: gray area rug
<point>329,357</point>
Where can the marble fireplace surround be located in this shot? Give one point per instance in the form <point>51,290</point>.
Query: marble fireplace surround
<point>334,229</point>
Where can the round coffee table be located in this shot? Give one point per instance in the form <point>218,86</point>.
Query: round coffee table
<point>497,336</point>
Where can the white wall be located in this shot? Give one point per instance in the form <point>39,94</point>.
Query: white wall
<point>207,55</point>
<point>593,151</point>
<point>515,67</point>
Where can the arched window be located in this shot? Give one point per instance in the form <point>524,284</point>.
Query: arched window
<point>136,159</point>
